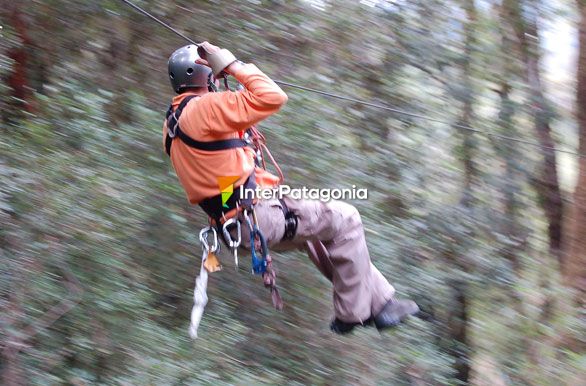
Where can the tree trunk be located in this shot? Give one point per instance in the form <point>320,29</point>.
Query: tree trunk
<point>467,98</point>
<point>511,184</point>
<point>512,178</point>
<point>574,269</point>
<point>18,80</point>
<point>459,317</point>
<point>547,184</point>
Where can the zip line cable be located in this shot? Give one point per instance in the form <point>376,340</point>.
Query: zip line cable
<point>427,118</point>
<point>139,9</point>
<point>370,104</point>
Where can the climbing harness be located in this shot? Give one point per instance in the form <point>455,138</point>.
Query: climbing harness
<point>174,131</point>
<point>227,222</point>
<point>251,137</point>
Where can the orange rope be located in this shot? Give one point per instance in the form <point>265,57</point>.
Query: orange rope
<point>260,144</point>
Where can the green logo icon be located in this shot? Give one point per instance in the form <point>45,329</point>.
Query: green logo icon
<point>226,185</point>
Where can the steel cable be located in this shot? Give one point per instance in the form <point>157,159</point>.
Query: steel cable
<point>370,104</point>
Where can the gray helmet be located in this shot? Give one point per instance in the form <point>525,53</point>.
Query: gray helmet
<point>184,72</point>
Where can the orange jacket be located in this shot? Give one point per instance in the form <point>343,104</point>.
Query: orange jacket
<point>217,116</point>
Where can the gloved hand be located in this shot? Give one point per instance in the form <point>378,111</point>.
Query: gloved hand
<point>218,59</point>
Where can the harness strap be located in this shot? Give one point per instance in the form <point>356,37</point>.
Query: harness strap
<point>218,212</point>
<point>269,278</point>
<point>174,131</point>
<point>291,221</point>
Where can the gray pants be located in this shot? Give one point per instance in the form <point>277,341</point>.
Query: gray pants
<point>333,236</point>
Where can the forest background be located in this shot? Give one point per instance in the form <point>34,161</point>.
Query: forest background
<point>98,244</point>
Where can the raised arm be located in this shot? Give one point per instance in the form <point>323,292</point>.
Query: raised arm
<point>237,110</point>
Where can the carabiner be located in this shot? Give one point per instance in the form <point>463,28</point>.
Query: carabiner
<point>203,238</point>
<point>232,244</point>
<point>259,266</point>
<point>247,219</point>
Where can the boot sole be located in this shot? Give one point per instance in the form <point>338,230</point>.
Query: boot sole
<point>396,322</point>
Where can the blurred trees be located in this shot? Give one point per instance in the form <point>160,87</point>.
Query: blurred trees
<point>575,260</point>
<point>523,17</point>
<point>99,247</point>
<point>18,79</point>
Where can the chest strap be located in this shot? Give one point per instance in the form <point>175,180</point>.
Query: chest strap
<point>174,131</point>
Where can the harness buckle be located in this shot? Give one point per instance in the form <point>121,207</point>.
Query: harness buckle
<point>290,226</point>
<point>173,131</point>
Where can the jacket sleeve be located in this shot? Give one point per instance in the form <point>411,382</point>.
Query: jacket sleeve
<point>229,111</point>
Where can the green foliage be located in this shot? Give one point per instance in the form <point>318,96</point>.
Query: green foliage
<point>86,191</point>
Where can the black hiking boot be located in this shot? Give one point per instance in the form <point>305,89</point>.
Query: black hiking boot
<point>394,312</point>
<point>343,328</point>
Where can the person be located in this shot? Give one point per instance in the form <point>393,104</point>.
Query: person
<point>204,136</point>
